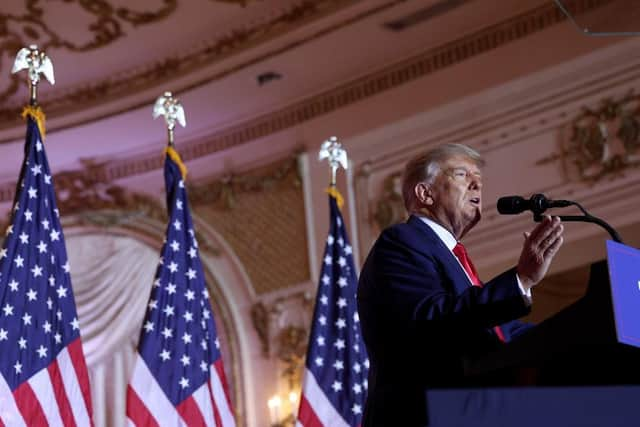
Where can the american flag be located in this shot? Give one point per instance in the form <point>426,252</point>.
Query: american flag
<point>178,377</point>
<point>335,378</point>
<point>44,379</point>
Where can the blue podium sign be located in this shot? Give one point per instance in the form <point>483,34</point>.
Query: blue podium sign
<point>624,274</point>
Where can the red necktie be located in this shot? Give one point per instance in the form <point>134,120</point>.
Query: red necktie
<point>461,253</point>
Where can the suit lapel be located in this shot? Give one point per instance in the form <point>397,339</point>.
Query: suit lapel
<point>428,243</point>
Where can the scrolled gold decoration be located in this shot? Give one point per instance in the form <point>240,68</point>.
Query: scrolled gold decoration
<point>604,141</point>
<point>389,208</point>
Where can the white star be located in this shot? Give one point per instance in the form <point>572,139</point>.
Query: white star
<point>24,238</point>
<point>171,288</point>
<point>330,240</point>
<point>177,225</point>
<point>8,310</point>
<point>49,303</point>
<point>342,261</point>
<point>47,327</point>
<point>18,367</point>
<point>206,313</point>
<point>165,355</point>
<point>348,250</point>
<point>38,146</point>
<point>4,335</point>
<point>184,383</point>
<point>148,327</point>
<point>27,215</point>
<point>62,291</point>
<point>167,333</point>
<point>340,239</point>
<point>342,302</point>
<point>22,343</point>
<point>191,274</point>
<point>58,338</point>
<point>324,299</point>
<point>156,283</point>
<point>203,344</point>
<point>175,246</point>
<point>179,204</point>
<point>59,314</point>
<point>322,320</point>
<point>328,260</point>
<point>168,310</point>
<point>357,368</point>
<point>153,304</point>
<point>186,360</point>
<point>342,282</point>
<point>217,343</point>
<point>54,235</point>
<point>33,193</point>
<point>339,344</point>
<point>3,253</point>
<point>19,261</point>
<point>366,363</point>
<point>319,361</point>
<point>188,317</point>
<point>36,170</point>
<point>357,409</point>
<point>173,267</point>
<point>32,294</point>
<point>338,365</point>
<point>47,179</point>
<point>357,388</point>
<point>203,366</point>
<point>9,230</point>
<point>320,340</point>
<point>36,270</point>
<point>42,247</point>
<point>326,279</point>
<point>186,338</point>
<point>66,267</point>
<point>190,295</point>
<point>192,252</point>
<point>336,386</point>
<point>45,224</point>
<point>26,319</point>
<point>181,184</point>
<point>13,285</point>
<point>52,280</point>
<point>75,324</point>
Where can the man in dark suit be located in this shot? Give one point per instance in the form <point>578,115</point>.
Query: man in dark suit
<point>422,307</point>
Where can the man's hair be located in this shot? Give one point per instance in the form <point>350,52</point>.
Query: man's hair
<point>426,167</point>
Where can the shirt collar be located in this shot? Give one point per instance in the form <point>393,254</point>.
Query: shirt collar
<point>445,235</point>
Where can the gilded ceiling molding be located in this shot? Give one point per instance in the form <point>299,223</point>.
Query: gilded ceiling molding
<point>21,30</point>
<point>433,60</point>
<point>604,141</point>
<point>223,192</point>
<point>107,29</point>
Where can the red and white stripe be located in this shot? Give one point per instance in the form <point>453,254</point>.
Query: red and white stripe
<point>148,405</point>
<point>315,409</point>
<point>58,395</point>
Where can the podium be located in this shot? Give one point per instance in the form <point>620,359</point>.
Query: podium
<point>579,367</point>
<point>579,345</point>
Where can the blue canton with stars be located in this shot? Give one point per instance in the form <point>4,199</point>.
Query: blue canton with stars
<point>37,311</point>
<point>336,356</point>
<point>178,340</point>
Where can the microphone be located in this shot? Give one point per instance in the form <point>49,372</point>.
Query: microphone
<point>538,203</point>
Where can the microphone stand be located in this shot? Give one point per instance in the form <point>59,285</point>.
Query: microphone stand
<point>587,217</point>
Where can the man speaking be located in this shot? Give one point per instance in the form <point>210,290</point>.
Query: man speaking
<point>423,309</point>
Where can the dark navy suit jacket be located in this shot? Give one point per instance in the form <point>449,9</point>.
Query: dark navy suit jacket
<point>421,319</point>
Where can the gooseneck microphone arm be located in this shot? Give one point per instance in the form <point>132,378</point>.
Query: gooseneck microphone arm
<point>587,217</point>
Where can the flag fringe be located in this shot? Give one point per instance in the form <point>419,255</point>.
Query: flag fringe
<point>171,152</point>
<point>38,115</point>
<point>333,192</point>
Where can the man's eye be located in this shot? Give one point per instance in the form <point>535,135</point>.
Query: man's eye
<point>460,174</point>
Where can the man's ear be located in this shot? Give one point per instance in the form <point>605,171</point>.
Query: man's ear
<point>423,193</point>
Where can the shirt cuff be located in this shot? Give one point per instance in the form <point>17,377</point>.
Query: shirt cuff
<point>526,293</point>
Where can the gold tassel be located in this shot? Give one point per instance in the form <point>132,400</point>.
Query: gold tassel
<point>171,152</point>
<point>333,192</point>
<point>38,115</point>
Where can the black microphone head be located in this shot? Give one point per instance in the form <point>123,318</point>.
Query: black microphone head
<point>512,205</point>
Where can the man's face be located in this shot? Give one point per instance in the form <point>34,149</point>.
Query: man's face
<point>457,195</point>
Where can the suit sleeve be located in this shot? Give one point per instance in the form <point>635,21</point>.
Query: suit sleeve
<point>416,291</point>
